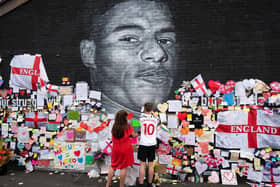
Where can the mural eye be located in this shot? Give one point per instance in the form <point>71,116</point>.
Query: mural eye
<point>129,39</point>
<point>166,41</point>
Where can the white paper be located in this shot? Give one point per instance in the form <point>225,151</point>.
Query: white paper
<point>163,135</point>
<point>247,154</point>
<point>84,117</point>
<point>5,130</point>
<point>23,135</point>
<point>81,91</point>
<point>40,100</point>
<point>255,176</point>
<point>165,159</point>
<point>172,121</point>
<point>224,153</point>
<point>228,177</point>
<point>95,95</point>
<point>189,139</point>
<point>67,100</point>
<point>174,105</point>
<point>200,168</point>
<point>92,136</point>
<point>225,163</point>
<point>135,155</point>
<point>13,145</point>
<point>162,117</point>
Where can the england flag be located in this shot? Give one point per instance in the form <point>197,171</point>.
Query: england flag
<point>242,129</point>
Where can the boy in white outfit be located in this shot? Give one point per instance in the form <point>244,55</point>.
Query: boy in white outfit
<point>147,145</point>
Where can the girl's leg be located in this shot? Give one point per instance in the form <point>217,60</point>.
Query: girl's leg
<point>122,177</point>
<point>110,176</point>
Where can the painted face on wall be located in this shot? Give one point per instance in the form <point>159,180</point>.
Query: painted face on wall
<point>135,57</point>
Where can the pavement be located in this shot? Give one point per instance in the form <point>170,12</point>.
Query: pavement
<point>16,177</point>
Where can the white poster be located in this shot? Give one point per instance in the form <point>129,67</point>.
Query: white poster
<point>69,155</point>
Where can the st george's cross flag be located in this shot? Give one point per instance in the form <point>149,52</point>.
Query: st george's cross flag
<point>199,86</point>
<point>36,119</point>
<point>26,71</point>
<point>242,129</point>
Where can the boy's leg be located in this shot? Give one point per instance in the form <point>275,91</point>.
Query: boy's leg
<point>142,172</point>
<point>151,172</point>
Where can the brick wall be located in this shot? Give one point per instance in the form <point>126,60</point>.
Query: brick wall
<point>222,39</point>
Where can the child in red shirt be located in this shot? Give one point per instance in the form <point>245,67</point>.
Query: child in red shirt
<point>122,153</point>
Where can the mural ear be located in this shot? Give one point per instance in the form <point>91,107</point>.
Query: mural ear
<point>87,50</point>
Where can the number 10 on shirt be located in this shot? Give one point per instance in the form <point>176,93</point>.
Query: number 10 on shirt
<point>149,129</point>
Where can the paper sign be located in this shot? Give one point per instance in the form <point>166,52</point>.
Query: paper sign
<point>165,159</point>
<point>172,121</point>
<point>200,168</point>
<point>247,154</point>
<point>81,91</point>
<point>189,139</point>
<point>135,123</point>
<point>228,177</point>
<point>70,135</point>
<point>23,135</point>
<point>67,100</point>
<point>234,155</point>
<point>255,176</point>
<point>69,155</point>
<point>224,153</point>
<point>95,95</point>
<point>5,130</point>
<point>174,106</point>
<point>207,136</point>
<point>204,147</point>
<point>14,128</point>
<point>163,135</point>
<point>225,163</point>
<point>40,100</point>
<point>89,159</point>
<point>163,117</point>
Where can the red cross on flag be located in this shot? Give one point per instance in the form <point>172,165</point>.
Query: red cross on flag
<point>242,129</point>
<point>199,86</point>
<point>36,119</point>
<point>26,71</point>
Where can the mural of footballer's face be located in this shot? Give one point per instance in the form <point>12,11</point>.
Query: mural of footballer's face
<point>135,57</point>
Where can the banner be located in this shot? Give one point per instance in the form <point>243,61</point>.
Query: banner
<point>253,129</point>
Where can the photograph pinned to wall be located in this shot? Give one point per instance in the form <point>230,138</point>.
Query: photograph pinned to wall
<point>80,135</point>
<point>70,135</point>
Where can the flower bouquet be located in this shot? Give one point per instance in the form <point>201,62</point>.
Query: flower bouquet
<point>5,156</point>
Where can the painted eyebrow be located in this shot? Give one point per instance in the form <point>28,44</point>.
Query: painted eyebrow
<point>128,27</point>
<point>168,29</point>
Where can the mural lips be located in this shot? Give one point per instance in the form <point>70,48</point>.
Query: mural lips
<point>154,76</point>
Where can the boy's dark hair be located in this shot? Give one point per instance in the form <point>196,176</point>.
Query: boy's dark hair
<point>148,107</point>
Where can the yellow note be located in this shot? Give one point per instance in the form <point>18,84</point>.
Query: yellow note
<point>230,107</point>
<point>205,129</point>
<point>268,149</point>
<point>51,142</point>
<point>189,117</point>
<point>50,105</point>
<point>246,109</point>
<point>237,108</point>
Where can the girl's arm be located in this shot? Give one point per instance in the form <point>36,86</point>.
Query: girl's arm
<point>134,134</point>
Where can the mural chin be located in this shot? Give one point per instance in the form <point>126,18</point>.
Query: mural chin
<point>147,93</point>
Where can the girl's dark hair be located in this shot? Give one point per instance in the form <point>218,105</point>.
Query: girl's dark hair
<point>120,124</point>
